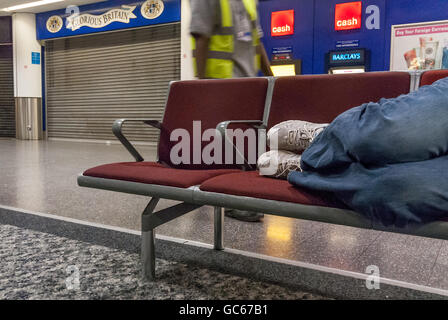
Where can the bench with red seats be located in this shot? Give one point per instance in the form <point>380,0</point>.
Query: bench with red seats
<point>319,99</point>
<point>186,103</point>
<point>208,101</point>
<point>263,102</point>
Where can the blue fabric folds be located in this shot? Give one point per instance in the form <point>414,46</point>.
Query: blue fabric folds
<point>387,160</point>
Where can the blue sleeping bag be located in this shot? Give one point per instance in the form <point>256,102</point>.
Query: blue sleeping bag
<point>387,160</point>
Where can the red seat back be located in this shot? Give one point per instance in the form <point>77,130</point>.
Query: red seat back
<point>211,102</point>
<point>429,77</point>
<point>321,98</point>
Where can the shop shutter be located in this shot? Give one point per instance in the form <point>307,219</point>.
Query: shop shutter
<point>96,79</point>
<point>7,106</point>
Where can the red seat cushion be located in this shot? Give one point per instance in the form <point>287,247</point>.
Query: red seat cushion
<point>209,102</point>
<point>251,184</point>
<point>321,98</point>
<point>154,173</point>
<point>429,77</point>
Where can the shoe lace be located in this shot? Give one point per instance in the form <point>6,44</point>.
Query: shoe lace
<point>288,166</point>
<point>304,136</point>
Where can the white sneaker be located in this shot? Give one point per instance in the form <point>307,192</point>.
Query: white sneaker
<point>294,135</point>
<point>278,163</point>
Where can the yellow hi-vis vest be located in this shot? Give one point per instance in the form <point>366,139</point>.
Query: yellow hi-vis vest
<point>219,64</point>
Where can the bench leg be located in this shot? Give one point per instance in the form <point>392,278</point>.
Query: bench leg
<point>218,229</point>
<point>148,256</point>
<point>150,221</point>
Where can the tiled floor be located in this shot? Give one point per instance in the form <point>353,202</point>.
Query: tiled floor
<point>41,176</point>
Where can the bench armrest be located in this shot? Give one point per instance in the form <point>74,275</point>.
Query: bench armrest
<point>222,129</point>
<point>222,126</point>
<point>117,130</point>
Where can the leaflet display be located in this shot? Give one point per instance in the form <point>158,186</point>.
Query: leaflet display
<point>420,46</point>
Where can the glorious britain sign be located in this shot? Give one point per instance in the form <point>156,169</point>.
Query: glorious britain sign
<point>126,12</point>
<point>123,15</point>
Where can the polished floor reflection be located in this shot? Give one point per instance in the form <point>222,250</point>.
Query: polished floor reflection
<point>41,176</point>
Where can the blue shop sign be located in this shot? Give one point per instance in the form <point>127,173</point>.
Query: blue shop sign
<point>347,57</point>
<point>106,16</point>
<point>35,58</point>
<point>280,50</point>
<point>347,44</point>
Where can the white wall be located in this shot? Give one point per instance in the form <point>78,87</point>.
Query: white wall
<point>186,63</point>
<point>27,76</point>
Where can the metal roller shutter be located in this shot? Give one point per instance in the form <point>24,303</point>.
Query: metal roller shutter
<point>93,80</point>
<point>7,106</point>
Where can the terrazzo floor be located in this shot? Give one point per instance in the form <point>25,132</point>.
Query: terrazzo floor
<point>41,266</point>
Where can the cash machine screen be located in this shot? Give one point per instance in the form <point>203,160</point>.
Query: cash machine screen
<point>350,57</point>
<point>283,64</point>
<point>347,61</point>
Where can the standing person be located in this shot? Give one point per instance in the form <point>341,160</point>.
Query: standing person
<point>226,41</point>
<point>226,44</point>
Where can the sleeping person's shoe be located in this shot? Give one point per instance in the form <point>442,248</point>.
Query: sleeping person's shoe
<point>294,135</point>
<point>278,163</point>
<point>243,215</point>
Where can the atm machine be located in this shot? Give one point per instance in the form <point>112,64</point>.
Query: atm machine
<point>347,61</point>
<point>283,64</point>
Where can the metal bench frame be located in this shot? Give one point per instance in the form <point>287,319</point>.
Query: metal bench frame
<point>193,198</point>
